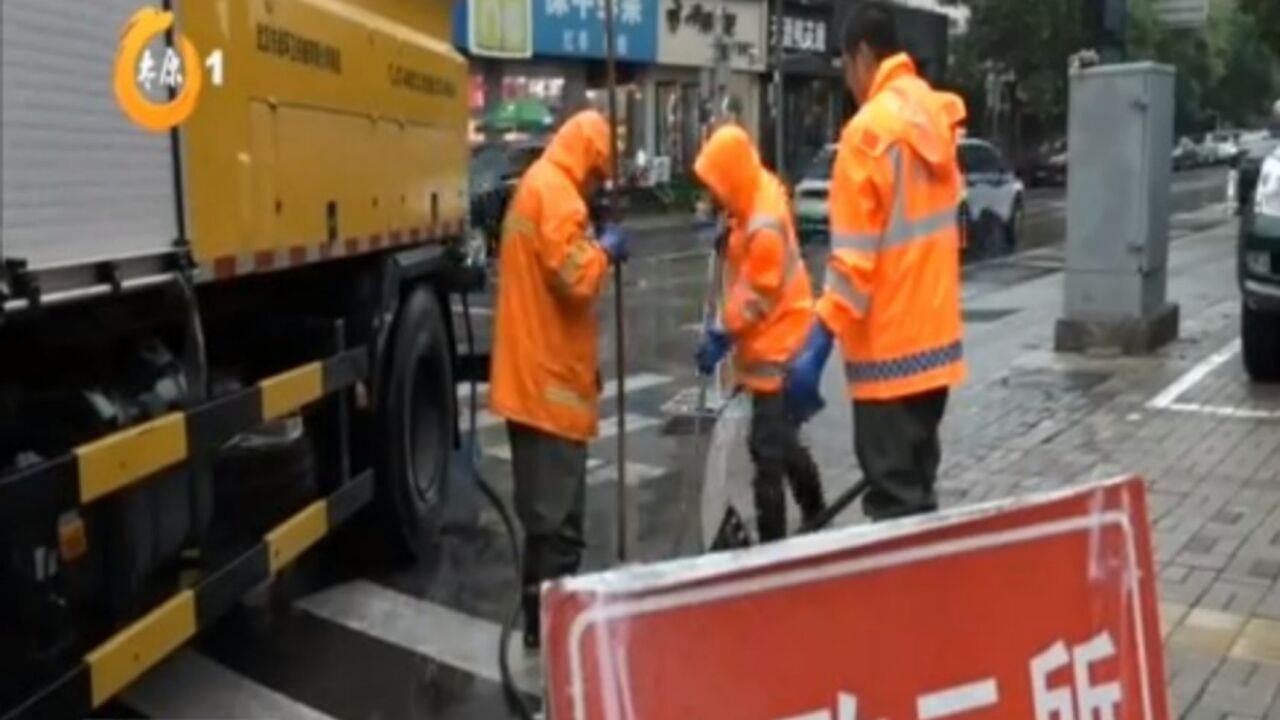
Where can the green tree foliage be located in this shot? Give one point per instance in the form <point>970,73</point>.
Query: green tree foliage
<point>1227,72</point>
<point>1266,15</point>
<point>1032,39</point>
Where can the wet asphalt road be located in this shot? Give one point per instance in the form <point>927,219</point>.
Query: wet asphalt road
<point>348,634</point>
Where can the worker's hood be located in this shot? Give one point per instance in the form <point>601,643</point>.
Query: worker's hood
<point>931,119</point>
<point>730,168</point>
<point>581,147</point>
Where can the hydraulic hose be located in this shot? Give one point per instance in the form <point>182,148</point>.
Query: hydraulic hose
<point>514,698</point>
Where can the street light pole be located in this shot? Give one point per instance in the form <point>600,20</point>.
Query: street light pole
<point>775,52</point>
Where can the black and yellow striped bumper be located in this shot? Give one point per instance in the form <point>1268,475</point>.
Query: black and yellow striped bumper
<point>127,458</point>
<point>116,663</point>
<point>97,469</point>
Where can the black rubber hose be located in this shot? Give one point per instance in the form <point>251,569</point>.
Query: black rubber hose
<point>509,689</point>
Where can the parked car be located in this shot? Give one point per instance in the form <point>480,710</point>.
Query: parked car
<point>1259,273</point>
<point>1219,147</point>
<point>1247,165</point>
<point>1049,166</point>
<point>495,169</point>
<point>991,210</point>
<point>993,206</point>
<point>1186,154</point>
<point>810,198</point>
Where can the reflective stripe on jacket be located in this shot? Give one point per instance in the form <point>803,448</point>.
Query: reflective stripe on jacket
<point>767,303</point>
<point>550,271</point>
<point>893,284</point>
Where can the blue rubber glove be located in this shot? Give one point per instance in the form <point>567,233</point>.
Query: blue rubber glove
<point>716,344</point>
<point>614,243</point>
<point>803,383</point>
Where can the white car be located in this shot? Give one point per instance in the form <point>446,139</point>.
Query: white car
<point>1220,147</point>
<point>992,206</point>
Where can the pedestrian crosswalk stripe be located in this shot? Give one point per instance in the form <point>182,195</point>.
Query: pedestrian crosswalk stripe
<point>189,685</point>
<point>461,641</point>
<point>608,428</point>
<point>485,419</point>
<point>605,473</point>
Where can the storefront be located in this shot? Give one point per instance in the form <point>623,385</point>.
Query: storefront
<point>682,89</point>
<point>564,69</point>
<point>814,99</point>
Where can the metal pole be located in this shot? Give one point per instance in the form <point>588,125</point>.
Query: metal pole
<point>779,137</point>
<point>619,307</point>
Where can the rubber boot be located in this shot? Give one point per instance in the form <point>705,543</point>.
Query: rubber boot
<point>771,506</point>
<point>806,486</point>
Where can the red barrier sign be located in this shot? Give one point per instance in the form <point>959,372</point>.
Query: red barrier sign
<point>1041,608</point>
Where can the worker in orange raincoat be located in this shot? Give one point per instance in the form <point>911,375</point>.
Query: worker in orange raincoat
<point>766,312</point>
<point>892,295</point>
<point>544,377</point>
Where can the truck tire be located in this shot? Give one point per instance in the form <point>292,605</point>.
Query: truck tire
<point>415,425</point>
<point>1260,336</point>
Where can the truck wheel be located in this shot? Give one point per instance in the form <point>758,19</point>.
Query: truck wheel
<point>1260,336</point>
<point>415,424</point>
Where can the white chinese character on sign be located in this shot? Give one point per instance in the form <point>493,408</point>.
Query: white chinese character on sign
<point>622,44</point>
<point>171,73</point>
<point>820,36</point>
<point>557,8</point>
<point>846,709</point>
<point>788,33</point>
<point>567,40</point>
<point>1082,699</point>
<point>958,700</point>
<point>632,12</point>
<point>802,34</point>
<point>584,40</point>
<point>146,69</point>
<point>584,7</point>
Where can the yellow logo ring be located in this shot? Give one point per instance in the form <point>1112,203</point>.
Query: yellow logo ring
<point>155,117</point>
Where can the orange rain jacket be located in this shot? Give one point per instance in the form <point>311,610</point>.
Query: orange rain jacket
<point>550,271</point>
<point>768,303</point>
<point>893,285</point>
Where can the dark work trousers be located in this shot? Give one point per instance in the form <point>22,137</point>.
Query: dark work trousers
<point>551,489</point>
<point>898,448</point>
<point>778,453</point>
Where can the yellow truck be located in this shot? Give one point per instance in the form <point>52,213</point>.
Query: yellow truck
<point>224,339</point>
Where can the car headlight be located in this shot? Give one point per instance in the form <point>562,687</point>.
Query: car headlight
<point>1258,263</point>
<point>1267,197</point>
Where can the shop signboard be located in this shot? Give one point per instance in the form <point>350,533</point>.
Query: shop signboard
<point>688,31</point>
<point>804,31</point>
<point>500,28</point>
<point>575,28</point>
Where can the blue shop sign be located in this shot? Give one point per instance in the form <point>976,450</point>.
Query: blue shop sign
<point>575,28</point>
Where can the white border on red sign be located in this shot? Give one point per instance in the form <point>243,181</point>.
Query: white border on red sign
<point>607,611</point>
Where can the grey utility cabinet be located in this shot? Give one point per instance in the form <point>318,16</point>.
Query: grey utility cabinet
<point>1120,145</point>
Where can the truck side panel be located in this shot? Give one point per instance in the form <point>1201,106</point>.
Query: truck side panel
<point>336,130</point>
<point>80,183</point>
